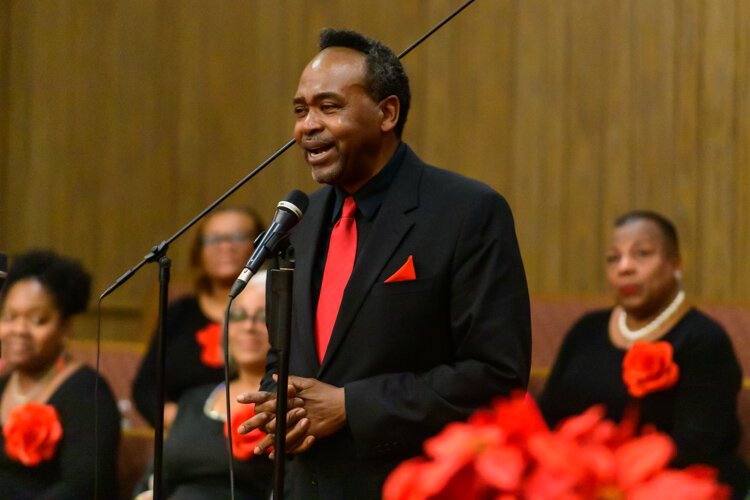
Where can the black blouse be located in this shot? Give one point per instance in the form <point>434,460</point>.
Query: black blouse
<point>195,457</point>
<point>70,472</point>
<point>184,368</point>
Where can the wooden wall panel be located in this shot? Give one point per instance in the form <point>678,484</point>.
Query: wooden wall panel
<point>741,281</point>
<point>717,140</point>
<point>4,119</point>
<point>617,125</point>
<point>120,120</point>
<point>653,32</point>
<point>685,213</point>
<point>585,118</point>
<point>538,133</point>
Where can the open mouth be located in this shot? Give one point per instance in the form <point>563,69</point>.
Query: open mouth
<point>317,152</point>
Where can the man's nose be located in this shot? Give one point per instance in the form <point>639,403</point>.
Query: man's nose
<point>311,123</point>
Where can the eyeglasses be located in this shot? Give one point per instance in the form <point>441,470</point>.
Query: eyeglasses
<point>233,238</point>
<point>239,314</point>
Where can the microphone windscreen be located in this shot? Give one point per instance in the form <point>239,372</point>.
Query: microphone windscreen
<point>298,199</point>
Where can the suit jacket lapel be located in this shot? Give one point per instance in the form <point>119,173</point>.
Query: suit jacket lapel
<point>392,223</point>
<point>306,239</point>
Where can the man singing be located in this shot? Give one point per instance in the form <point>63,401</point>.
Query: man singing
<point>411,308</point>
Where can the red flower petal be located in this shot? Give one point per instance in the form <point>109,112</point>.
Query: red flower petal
<point>502,468</point>
<point>544,484</point>
<point>405,482</point>
<point>460,441</point>
<point>641,458</point>
<point>581,425</point>
<point>679,484</point>
<point>518,416</point>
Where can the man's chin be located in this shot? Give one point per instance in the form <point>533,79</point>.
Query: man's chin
<point>326,174</point>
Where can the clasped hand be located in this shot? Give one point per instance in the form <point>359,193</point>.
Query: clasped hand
<point>314,410</point>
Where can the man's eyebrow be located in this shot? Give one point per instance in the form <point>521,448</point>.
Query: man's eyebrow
<point>317,97</point>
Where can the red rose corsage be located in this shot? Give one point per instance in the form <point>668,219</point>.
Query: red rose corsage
<point>209,338</point>
<point>244,444</point>
<point>32,433</point>
<point>648,367</point>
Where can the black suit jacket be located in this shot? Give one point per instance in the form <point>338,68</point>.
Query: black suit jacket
<point>412,356</point>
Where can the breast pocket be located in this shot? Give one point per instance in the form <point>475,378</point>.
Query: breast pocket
<point>406,305</point>
<point>407,324</point>
<point>403,287</point>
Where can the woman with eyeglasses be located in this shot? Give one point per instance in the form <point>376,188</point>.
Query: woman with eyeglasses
<point>220,249</point>
<point>195,452</point>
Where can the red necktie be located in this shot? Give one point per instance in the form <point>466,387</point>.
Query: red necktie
<point>341,252</point>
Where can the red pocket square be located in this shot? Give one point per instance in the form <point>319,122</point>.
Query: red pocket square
<point>405,273</point>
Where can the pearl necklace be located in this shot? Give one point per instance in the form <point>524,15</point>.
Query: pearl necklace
<point>656,323</point>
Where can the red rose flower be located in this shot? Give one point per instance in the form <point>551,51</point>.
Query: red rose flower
<point>209,338</point>
<point>648,367</point>
<point>32,433</point>
<point>244,444</point>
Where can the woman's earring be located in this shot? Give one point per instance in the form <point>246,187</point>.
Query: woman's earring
<point>678,276</point>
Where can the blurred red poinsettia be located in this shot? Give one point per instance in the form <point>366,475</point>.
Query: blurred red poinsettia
<point>648,367</point>
<point>508,452</point>
<point>32,433</point>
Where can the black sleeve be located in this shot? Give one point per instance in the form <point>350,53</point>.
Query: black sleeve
<point>553,400</point>
<point>80,454</point>
<point>706,429</point>
<point>144,390</point>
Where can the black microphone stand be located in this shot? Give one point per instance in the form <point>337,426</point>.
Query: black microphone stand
<point>164,270</point>
<point>280,330</point>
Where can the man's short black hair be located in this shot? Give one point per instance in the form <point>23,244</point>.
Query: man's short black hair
<point>385,74</point>
<point>665,226</point>
<point>63,278</point>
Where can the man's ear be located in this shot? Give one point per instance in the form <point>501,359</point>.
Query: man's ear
<point>390,107</point>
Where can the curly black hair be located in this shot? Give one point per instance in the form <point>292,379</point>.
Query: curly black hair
<point>385,74</point>
<point>64,278</point>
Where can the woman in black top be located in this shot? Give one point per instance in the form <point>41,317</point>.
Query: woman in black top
<point>195,456</point>
<point>219,251</point>
<point>48,393</point>
<point>698,409</point>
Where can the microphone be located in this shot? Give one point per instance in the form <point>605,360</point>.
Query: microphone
<point>289,212</point>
